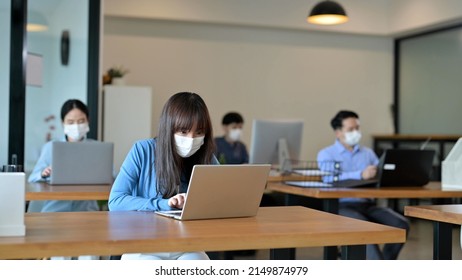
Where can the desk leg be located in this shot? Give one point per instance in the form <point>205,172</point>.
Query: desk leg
<point>442,241</point>
<point>331,206</point>
<point>354,252</point>
<point>441,155</point>
<point>282,254</point>
<point>330,252</point>
<point>288,199</point>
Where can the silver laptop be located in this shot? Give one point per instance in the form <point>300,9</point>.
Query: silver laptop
<point>223,191</point>
<point>80,163</point>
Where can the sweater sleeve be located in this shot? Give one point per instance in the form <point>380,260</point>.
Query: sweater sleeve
<point>43,162</point>
<point>131,191</point>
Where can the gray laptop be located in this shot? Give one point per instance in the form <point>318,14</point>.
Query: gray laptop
<point>223,191</point>
<point>80,163</point>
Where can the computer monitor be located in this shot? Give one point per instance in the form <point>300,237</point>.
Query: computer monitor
<point>275,141</point>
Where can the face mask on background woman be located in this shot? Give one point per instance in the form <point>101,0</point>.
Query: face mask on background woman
<point>76,131</point>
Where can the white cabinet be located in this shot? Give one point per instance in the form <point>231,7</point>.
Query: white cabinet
<point>127,117</point>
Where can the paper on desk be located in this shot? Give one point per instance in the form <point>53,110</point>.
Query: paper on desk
<point>308,184</point>
<point>311,172</point>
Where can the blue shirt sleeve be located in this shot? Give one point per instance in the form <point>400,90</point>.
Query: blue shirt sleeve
<point>43,162</point>
<point>374,159</point>
<point>352,163</point>
<point>326,161</point>
<point>345,175</point>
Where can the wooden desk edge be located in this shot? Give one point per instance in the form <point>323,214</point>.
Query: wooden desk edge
<point>30,196</point>
<point>113,246</point>
<point>431,190</point>
<point>44,191</point>
<point>434,213</point>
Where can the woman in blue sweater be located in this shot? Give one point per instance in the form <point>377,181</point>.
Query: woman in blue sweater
<point>74,116</point>
<point>155,174</point>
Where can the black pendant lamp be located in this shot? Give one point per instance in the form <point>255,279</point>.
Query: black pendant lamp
<point>327,13</point>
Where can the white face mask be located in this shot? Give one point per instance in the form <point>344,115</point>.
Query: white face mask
<point>76,131</point>
<point>353,137</point>
<point>235,134</point>
<point>187,146</point>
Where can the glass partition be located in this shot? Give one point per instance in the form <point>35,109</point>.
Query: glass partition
<point>5,22</point>
<point>57,69</point>
<point>430,83</point>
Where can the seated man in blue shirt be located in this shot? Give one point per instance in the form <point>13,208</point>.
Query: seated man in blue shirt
<point>358,162</point>
<point>229,148</point>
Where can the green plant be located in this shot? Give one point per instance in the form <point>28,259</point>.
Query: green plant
<point>117,71</point>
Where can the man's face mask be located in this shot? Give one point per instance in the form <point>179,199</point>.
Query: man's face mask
<point>235,134</point>
<point>352,137</point>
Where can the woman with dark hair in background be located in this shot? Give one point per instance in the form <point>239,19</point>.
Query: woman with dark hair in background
<point>74,117</point>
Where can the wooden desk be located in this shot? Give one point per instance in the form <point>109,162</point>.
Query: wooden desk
<point>330,196</point>
<point>292,177</point>
<point>116,233</point>
<point>44,191</point>
<point>443,217</point>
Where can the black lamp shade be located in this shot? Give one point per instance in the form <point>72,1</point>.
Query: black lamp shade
<point>327,12</point>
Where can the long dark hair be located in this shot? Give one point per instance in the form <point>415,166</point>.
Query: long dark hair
<point>181,112</point>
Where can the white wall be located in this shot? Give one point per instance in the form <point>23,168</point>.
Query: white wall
<point>4,80</point>
<point>260,72</point>
<point>260,56</point>
<point>419,15</point>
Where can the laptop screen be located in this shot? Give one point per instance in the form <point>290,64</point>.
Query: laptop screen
<point>405,167</point>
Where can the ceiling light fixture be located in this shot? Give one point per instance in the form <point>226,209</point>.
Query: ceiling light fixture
<point>327,13</point>
<point>36,22</point>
